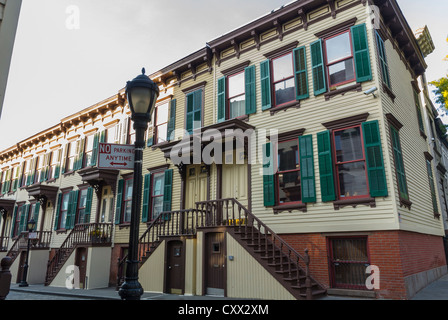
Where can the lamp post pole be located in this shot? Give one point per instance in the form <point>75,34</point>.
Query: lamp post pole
<point>23,282</point>
<point>142,95</point>
<point>131,288</point>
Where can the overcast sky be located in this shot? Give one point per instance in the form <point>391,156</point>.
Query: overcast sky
<point>57,70</point>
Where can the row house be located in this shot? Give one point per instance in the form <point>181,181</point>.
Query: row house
<point>286,159</point>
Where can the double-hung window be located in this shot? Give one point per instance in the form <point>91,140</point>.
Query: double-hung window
<point>71,155</point>
<point>350,163</point>
<point>288,172</point>
<point>157,194</point>
<point>339,59</point>
<point>236,93</point>
<point>236,96</point>
<point>127,200</point>
<point>88,151</point>
<point>55,158</point>
<point>160,121</point>
<point>63,211</point>
<point>284,78</point>
<point>288,175</point>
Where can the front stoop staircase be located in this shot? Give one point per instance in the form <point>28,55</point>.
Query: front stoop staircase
<point>89,234</point>
<point>282,261</point>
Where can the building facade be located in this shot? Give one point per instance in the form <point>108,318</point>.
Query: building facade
<point>9,18</point>
<point>286,159</point>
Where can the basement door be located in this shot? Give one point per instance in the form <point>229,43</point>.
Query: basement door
<point>81,263</point>
<point>214,264</point>
<point>175,268</point>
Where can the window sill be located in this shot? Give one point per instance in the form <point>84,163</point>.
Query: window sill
<point>338,204</point>
<point>405,203</point>
<point>124,225</point>
<point>294,104</point>
<point>60,231</point>
<point>389,92</point>
<point>356,87</point>
<point>290,207</point>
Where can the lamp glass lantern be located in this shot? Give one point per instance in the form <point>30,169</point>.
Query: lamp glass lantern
<point>31,225</point>
<point>142,94</point>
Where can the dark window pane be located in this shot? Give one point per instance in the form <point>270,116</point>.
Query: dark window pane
<point>341,72</point>
<point>285,92</point>
<point>288,157</point>
<point>289,187</point>
<point>348,144</point>
<point>352,179</point>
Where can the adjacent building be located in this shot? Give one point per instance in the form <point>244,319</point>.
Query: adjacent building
<point>286,159</point>
<point>9,18</point>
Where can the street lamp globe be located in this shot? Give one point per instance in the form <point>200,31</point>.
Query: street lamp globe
<point>142,94</point>
<point>31,225</point>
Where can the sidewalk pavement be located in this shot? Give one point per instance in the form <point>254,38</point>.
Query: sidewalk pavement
<point>438,290</point>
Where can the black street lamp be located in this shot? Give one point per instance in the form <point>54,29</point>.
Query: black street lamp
<point>142,94</point>
<point>31,225</point>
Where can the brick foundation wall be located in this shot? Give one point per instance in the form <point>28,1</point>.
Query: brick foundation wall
<point>398,254</point>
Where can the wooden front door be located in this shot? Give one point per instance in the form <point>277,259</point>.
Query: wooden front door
<point>175,267</point>
<point>234,178</point>
<point>214,264</point>
<point>81,263</point>
<point>196,188</point>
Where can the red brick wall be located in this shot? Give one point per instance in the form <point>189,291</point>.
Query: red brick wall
<point>398,254</point>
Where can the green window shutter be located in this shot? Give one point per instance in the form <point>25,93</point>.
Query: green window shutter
<point>361,53</point>
<point>307,176</point>
<point>250,90</point>
<point>268,175</point>
<point>383,60</point>
<point>300,72</point>
<point>221,99</point>
<point>36,213</point>
<point>167,193</point>
<point>150,139</point>
<point>57,170</point>
<point>432,188</point>
<point>23,218</point>
<point>58,212</point>
<point>146,197</point>
<point>326,166</point>
<point>318,68</point>
<point>168,190</point>
<point>88,208</point>
<point>72,208</point>
<point>13,224</point>
<point>419,111</point>
<point>374,159</point>
<point>265,80</point>
<point>172,121</point>
<point>119,201</point>
<point>94,158</point>
<point>194,110</point>
<point>399,164</point>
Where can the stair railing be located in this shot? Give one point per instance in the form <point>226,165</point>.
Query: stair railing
<point>230,212</point>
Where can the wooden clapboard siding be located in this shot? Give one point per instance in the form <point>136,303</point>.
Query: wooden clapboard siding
<point>420,217</point>
<point>320,217</point>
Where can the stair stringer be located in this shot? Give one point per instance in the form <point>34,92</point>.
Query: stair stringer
<point>247,277</point>
<point>60,280</point>
<point>152,270</point>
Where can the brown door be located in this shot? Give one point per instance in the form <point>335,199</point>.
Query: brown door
<point>81,263</point>
<point>215,263</point>
<point>175,267</point>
